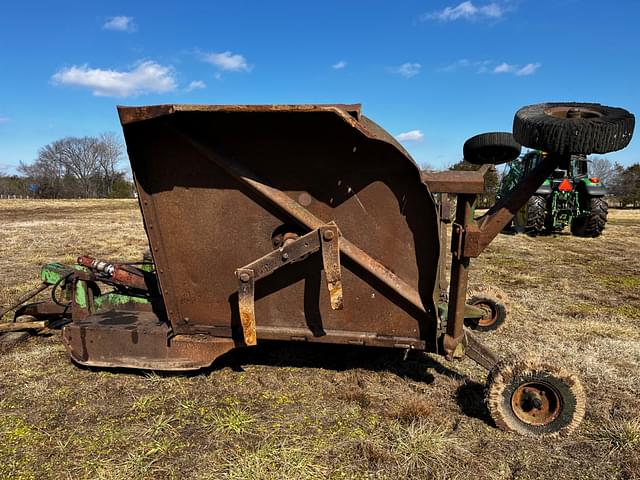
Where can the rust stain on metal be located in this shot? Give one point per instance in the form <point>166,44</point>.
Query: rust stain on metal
<point>133,278</point>
<point>246,304</point>
<point>330,241</point>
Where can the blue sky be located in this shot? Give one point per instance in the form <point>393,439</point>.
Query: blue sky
<point>436,71</point>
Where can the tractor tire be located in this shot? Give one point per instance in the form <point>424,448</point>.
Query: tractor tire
<point>593,224</point>
<point>534,397</point>
<point>536,215</point>
<point>491,148</point>
<point>573,128</point>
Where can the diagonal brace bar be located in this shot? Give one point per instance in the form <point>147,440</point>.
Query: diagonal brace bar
<point>306,218</point>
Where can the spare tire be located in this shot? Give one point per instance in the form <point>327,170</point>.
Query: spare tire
<point>491,148</point>
<point>573,128</point>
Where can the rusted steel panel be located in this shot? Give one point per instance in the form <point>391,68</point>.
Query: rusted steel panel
<point>205,220</point>
<point>138,340</point>
<point>454,181</point>
<point>137,114</point>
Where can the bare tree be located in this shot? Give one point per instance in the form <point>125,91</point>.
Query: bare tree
<point>110,152</point>
<point>602,168</point>
<point>77,166</point>
<point>47,173</point>
<point>79,156</point>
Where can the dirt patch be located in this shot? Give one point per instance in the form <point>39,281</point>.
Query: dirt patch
<point>304,411</point>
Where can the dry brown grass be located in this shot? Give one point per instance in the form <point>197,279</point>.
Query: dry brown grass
<point>296,411</point>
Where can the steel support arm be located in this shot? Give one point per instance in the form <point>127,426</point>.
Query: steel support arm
<point>482,232</point>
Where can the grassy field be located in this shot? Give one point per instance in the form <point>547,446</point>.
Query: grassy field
<point>299,411</point>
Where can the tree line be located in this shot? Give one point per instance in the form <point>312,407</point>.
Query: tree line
<point>72,167</point>
<point>89,167</point>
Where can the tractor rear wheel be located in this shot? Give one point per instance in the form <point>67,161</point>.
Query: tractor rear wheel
<point>536,215</point>
<point>573,128</point>
<point>534,397</point>
<point>592,224</point>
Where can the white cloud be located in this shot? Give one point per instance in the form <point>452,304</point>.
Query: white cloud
<point>485,66</point>
<point>120,23</point>
<point>407,70</point>
<point>463,63</point>
<point>410,136</point>
<point>196,85</point>
<point>340,65</point>
<point>217,76</point>
<point>505,68</point>
<point>467,11</point>
<point>233,62</point>
<point>528,69</point>
<point>146,77</point>
<point>4,119</point>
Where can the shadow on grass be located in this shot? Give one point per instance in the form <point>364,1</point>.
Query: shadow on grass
<point>470,399</point>
<point>335,357</point>
<point>416,367</point>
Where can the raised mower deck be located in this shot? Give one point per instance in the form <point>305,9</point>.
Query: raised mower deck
<point>310,223</point>
<point>221,187</point>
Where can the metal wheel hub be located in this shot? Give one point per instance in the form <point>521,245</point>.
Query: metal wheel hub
<point>536,403</point>
<point>572,112</point>
<point>490,316</point>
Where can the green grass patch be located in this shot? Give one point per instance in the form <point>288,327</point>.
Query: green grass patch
<point>623,282</point>
<point>232,419</point>
<point>619,435</point>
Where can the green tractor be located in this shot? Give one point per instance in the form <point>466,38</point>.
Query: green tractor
<point>569,197</point>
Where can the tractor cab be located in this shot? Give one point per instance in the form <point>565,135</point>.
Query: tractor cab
<point>580,166</point>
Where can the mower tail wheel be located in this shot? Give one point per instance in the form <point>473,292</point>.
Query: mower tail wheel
<point>495,304</point>
<point>573,128</point>
<point>491,148</point>
<point>534,397</point>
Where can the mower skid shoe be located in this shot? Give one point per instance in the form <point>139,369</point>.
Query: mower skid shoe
<point>128,339</point>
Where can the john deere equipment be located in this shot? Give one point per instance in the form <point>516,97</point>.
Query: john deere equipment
<point>310,223</point>
<point>569,197</point>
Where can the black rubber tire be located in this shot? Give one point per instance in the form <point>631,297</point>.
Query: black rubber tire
<point>536,215</point>
<point>491,148</point>
<point>496,313</point>
<point>573,128</point>
<point>593,224</point>
<point>510,375</point>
